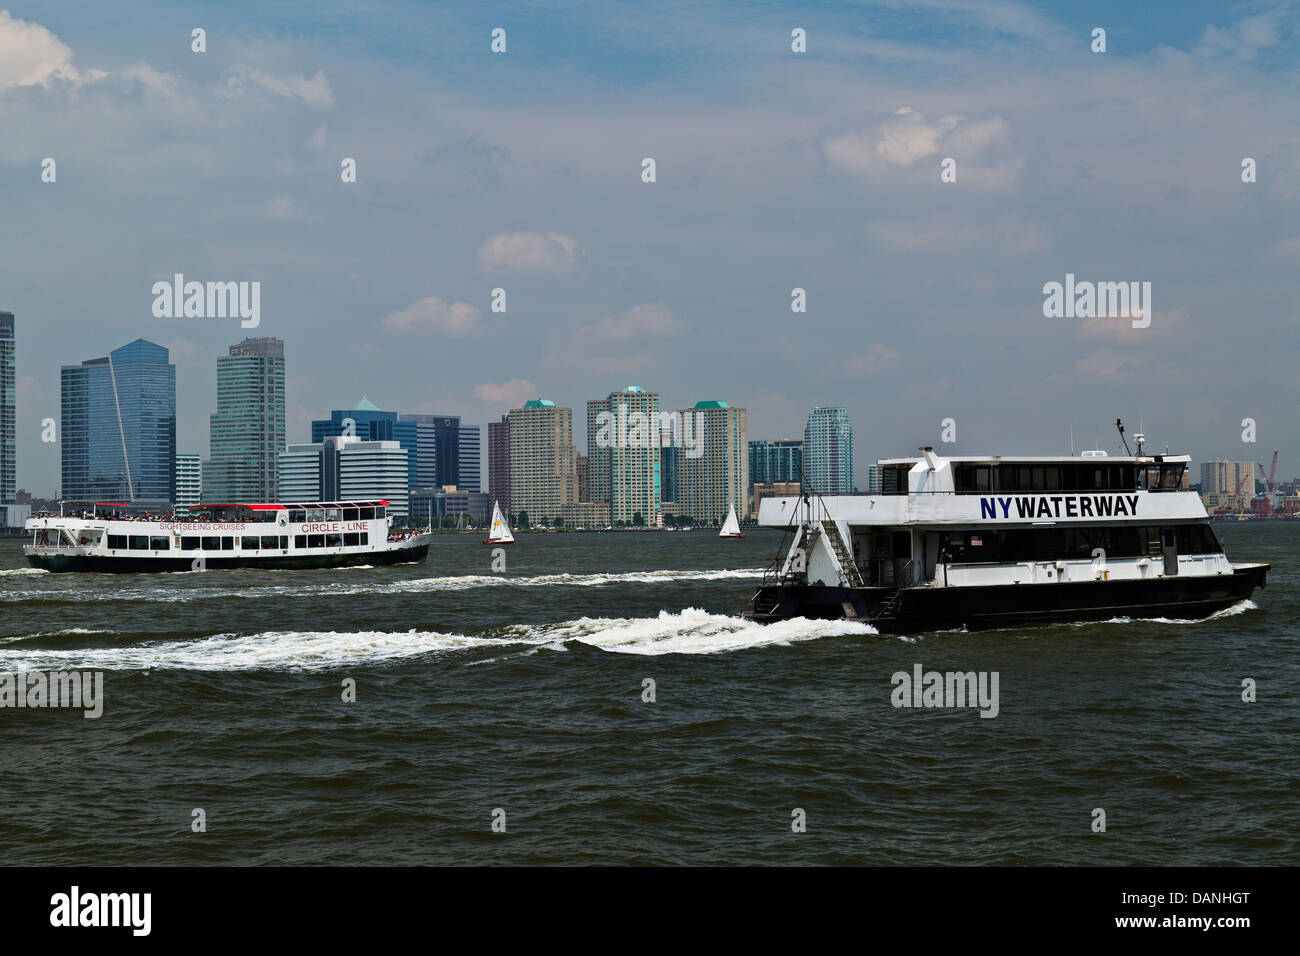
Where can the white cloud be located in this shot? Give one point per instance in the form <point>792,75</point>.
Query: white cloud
<point>878,358</point>
<point>1109,366</point>
<point>433,314</point>
<point>531,253</point>
<point>182,350</point>
<point>640,321</point>
<point>155,81</point>
<point>314,91</point>
<point>512,393</point>
<point>31,55</point>
<point>284,208</point>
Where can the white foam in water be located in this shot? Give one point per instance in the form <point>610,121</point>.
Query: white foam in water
<point>450,583</point>
<point>1241,607</point>
<point>694,631</point>
<point>691,631</point>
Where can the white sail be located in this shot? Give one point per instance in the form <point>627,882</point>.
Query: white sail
<point>730,527</point>
<point>500,531</point>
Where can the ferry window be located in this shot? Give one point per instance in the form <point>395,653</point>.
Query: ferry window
<point>315,514</point>
<point>333,540</point>
<point>350,514</point>
<point>983,478</point>
<point>350,540</point>
<point>366,514</point>
<point>117,541</point>
<point>902,544</point>
<point>227,544</point>
<point>160,544</point>
<point>316,541</point>
<point>964,476</point>
<point>1052,478</point>
<point>1075,543</point>
<point>1171,476</point>
<point>248,544</point>
<point>379,512</point>
<point>365,537</point>
<point>1153,546</point>
<point>270,542</point>
<point>1197,539</point>
<point>212,544</point>
<point>139,542</point>
<point>300,541</point>
<point>298,514</point>
<point>333,514</point>
<point>284,542</point>
<point>1045,544</point>
<point>189,544</point>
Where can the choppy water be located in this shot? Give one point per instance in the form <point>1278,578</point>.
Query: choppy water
<point>523,691</point>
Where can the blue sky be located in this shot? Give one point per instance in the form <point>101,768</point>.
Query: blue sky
<point>775,170</point>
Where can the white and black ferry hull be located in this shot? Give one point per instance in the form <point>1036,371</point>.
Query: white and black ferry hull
<point>402,553</point>
<point>974,607</point>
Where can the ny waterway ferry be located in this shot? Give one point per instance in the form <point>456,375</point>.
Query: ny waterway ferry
<point>981,542</point>
<point>101,536</point>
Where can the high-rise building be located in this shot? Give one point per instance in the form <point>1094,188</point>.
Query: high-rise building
<point>874,479</point>
<point>119,427</point>
<point>499,463</point>
<point>189,481</point>
<point>580,470</point>
<point>623,440</point>
<point>469,469</point>
<point>542,478</point>
<point>369,422</point>
<point>670,472</point>
<point>246,433</point>
<point>715,469</point>
<point>775,461</point>
<point>346,468</point>
<point>828,452</point>
<point>439,443</point>
<point>8,422</point>
<point>1220,477</point>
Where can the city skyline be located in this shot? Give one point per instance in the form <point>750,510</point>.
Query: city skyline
<point>775,174</point>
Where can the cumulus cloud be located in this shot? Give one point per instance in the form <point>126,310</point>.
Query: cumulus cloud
<point>512,393</point>
<point>640,321</point>
<point>1108,365</point>
<point>314,91</point>
<point>155,81</point>
<point>531,253</point>
<point>182,350</point>
<point>30,55</point>
<point>878,358</point>
<point>434,315</point>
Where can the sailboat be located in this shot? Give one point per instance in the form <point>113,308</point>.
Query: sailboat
<point>731,527</point>
<point>500,531</point>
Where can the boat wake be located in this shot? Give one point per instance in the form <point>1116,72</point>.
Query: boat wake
<point>691,631</point>
<point>194,591</point>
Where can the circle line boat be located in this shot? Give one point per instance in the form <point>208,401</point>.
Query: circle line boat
<point>100,536</point>
<point>980,542</point>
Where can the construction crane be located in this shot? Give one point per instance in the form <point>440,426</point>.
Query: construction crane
<point>1268,493</point>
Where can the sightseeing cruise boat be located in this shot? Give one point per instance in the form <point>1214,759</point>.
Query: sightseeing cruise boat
<point>981,542</point>
<point>100,536</point>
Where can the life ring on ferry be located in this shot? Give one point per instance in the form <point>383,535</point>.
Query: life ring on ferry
<point>282,520</point>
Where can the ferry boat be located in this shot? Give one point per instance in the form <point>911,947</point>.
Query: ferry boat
<point>101,536</point>
<point>980,542</point>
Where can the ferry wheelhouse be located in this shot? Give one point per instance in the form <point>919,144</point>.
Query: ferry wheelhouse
<point>102,536</point>
<point>995,541</point>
